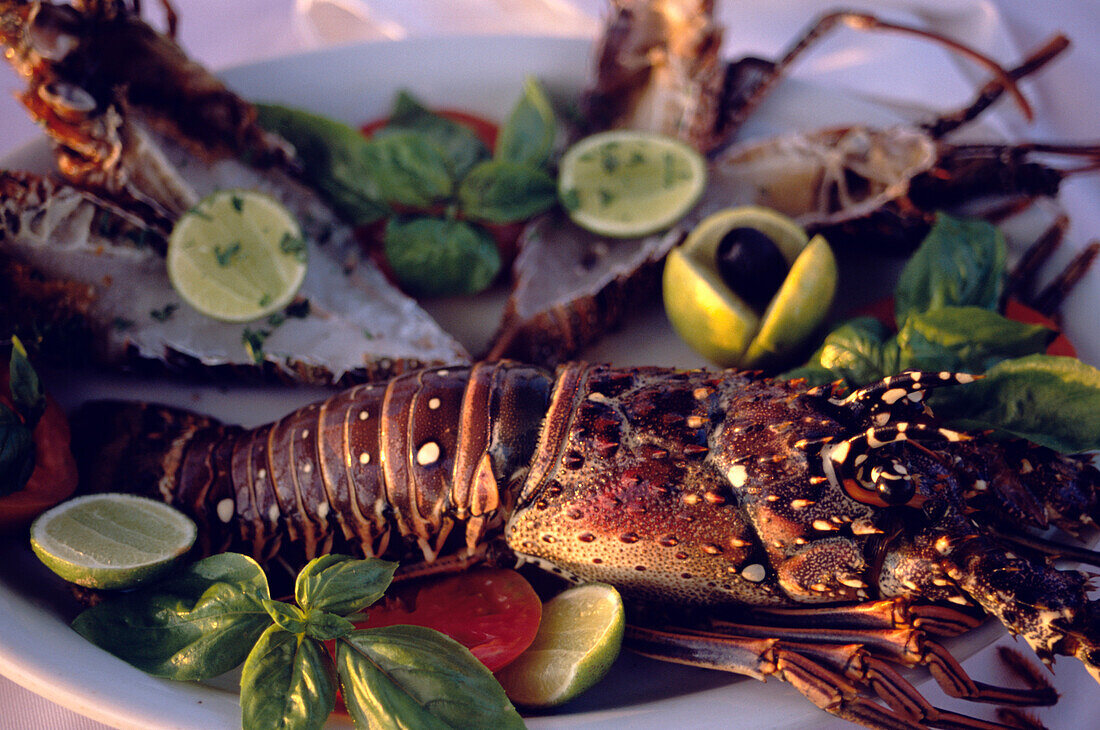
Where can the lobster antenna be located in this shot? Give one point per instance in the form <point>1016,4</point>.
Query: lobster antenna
<point>1049,547</point>
<point>995,88</point>
<point>762,74</point>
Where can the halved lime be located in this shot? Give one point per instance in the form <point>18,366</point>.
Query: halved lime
<point>111,540</point>
<point>238,255</point>
<point>579,638</point>
<point>703,310</point>
<point>798,308</point>
<point>627,183</point>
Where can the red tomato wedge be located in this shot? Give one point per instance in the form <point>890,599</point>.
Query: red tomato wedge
<point>493,612</point>
<point>54,475</point>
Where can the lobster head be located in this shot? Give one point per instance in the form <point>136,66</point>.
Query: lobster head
<point>708,487</point>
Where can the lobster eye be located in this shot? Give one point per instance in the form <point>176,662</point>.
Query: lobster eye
<point>895,491</point>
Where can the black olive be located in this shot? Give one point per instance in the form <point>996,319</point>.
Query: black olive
<point>751,265</point>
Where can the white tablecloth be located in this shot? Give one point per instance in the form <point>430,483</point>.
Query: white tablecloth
<point>221,33</point>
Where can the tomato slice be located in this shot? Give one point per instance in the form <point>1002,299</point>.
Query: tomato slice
<point>54,476</point>
<point>485,130</point>
<point>1020,312</point>
<point>493,612</point>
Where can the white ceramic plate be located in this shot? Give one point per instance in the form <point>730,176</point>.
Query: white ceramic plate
<point>482,75</point>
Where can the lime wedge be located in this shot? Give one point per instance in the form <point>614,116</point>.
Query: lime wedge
<point>798,308</point>
<point>703,310</point>
<point>626,183</point>
<point>111,540</point>
<point>579,638</point>
<point>237,256</point>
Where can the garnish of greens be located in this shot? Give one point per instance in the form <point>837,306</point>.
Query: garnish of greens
<point>216,613</point>
<point>433,181</point>
<point>17,454</point>
<point>947,318</point>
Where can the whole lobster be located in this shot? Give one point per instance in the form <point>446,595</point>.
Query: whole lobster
<point>843,531</point>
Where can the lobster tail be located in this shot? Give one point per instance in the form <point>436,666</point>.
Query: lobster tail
<point>147,449</point>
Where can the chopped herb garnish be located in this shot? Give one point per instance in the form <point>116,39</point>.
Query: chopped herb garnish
<point>368,334</point>
<point>195,211</point>
<point>294,245</point>
<point>606,197</point>
<point>610,163</point>
<point>165,313</point>
<point>636,158</point>
<point>237,203</point>
<point>265,299</point>
<point>276,319</point>
<point>225,255</point>
<point>253,341</point>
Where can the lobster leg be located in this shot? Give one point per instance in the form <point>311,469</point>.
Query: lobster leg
<point>906,646</point>
<point>838,679</point>
<point>748,81</point>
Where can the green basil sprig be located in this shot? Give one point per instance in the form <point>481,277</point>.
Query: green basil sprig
<point>17,452</point>
<point>217,613</point>
<point>946,301</point>
<point>428,166</point>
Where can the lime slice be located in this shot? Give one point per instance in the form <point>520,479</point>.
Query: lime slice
<point>798,308</point>
<point>237,256</point>
<point>111,540</point>
<point>706,313</point>
<point>579,638</point>
<point>626,183</point>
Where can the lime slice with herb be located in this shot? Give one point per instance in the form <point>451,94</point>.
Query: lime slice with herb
<point>111,540</point>
<point>704,311</point>
<point>626,183</point>
<point>238,255</point>
<point>578,640</point>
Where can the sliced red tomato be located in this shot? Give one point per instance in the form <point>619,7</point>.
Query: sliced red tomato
<point>1022,313</point>
<point>493,612</point>
<point>485,130</point>
<point>54,475</point>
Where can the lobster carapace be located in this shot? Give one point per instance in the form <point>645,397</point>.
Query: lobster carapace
<point>684,487</point>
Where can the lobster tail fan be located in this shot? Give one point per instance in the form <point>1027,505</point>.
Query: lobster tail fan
<point>131,447</point>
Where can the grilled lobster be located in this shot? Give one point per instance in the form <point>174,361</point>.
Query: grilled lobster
<point>846,529</point>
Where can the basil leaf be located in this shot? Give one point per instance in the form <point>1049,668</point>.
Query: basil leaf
<point>966,339</point>
<point>437,257</point>
<point>286,617</point>
<point>499,191</point>
<point>410,676</point>
<point>334,160</point>
<point>287,682</point>
<point>527,138</point>
<point>409,169</point>
<point>458,143</point>
<point>17,453</point>
<point>1052,401</point>
<point>26,389</point>
<point>858,352</point>
<point>325,626</point>
<point>960,263</point>
<point>196,624</point>
<point>342,585</point>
